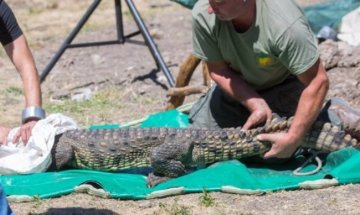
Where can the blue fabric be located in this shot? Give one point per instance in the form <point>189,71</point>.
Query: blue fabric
<point>329,13</point>
<point>4,206</point>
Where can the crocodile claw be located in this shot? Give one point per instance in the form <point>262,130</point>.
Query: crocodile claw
<point>153,180</point>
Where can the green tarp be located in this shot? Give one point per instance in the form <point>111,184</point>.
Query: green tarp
<point>340,167</point>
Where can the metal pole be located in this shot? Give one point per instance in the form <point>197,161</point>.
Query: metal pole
<point>150,43</point>
<point>69,39</point>
<point>119,22</point>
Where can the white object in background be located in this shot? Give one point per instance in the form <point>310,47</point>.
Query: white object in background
<point>35,156</point>
<point>349,30</point>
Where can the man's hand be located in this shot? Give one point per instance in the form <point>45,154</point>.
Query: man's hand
<point>283,146</point>
<point>4,132</point>
<point>260,112</point>
<point>24,132</point>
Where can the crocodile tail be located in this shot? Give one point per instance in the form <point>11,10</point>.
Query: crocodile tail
<point>325,137</point>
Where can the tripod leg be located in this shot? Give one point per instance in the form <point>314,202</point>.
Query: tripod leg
<point>150,42</point>
<point>69,39</point>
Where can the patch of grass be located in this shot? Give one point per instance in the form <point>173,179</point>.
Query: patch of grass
<point>100,106</point>
<point>34,10</point>
<point>206,199</point>
<point>13,91</point>
<point>106,106</point>
<point>126,13</point>
<point>69,106</point>
<point>42,7</point>
<point>174,209</point>
<point>37,202</point>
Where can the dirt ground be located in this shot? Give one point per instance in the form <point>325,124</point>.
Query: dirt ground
<point>124,85</point>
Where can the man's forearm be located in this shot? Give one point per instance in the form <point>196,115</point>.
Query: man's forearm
<point>32,89</point>
<point>236,87</point>
<point>21,56</point>
<point>310,102</point>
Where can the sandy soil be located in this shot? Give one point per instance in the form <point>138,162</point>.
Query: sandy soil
<point>126,75</point>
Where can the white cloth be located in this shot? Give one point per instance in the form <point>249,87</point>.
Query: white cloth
<point>35,156</point>
<point>349,30</point>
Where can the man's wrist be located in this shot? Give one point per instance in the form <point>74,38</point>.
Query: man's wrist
<point>32,113</point>
<point>295,137</point>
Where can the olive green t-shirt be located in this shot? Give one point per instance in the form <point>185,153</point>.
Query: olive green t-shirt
<point>279,42</point>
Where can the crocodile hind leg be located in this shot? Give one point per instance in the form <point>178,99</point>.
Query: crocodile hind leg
<point>169,160</point>
<point>349,117</point>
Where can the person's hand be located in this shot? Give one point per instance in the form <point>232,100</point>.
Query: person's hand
<point>4,132</point>
<point>260,112</point>
<point>24,132</point>
<point>283,146</point>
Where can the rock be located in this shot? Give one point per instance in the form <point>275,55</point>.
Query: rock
<point>329,54</point>
<point>352,59</point>
<point>145,204</point>
<point>97,59</point>
<point>81,94</point>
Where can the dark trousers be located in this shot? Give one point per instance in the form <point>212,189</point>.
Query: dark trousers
<point>217,110</point>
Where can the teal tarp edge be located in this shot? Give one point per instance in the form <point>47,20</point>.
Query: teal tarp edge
<point>270,177</point>
<point>345,165</point>
<point>54,184</point>
<point>172,118</point>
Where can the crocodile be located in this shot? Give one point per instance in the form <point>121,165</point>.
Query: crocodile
<point>171,151</point>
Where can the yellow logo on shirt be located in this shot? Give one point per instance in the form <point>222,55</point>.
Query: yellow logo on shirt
<point>264,61</point>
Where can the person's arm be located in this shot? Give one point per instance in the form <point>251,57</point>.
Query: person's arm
<point>316,86</point>
<point>19,53</point>
<point>232,84</point>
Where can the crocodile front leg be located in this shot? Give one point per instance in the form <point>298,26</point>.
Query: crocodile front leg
<point>169,160</point>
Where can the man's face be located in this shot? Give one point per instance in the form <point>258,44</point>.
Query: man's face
<point>226,10</point>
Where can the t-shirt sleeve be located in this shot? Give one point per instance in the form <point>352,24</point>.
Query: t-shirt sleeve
<point>9,28</point>
<point>205,45</point>
<point>297,47</point>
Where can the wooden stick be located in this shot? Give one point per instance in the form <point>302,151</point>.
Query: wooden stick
<point>188,90</point>
<point>186,71</point>
<point>206,74</point>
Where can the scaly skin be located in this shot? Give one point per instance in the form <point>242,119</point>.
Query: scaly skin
<point>169,151</point>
